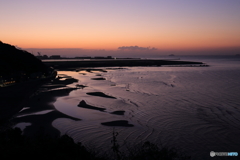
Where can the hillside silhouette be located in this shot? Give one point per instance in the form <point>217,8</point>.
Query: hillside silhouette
<point>14,60</point>
<point>21,74</point>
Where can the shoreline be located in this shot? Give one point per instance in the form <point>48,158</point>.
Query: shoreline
<point>46,94</point>
<point>39,110</point>
<point>14,97</point>
<point>42,100</point>
<point>34,110</point>
<point>105,123</point>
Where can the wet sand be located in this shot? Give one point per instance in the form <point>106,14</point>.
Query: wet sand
<point>43,101</point>
<point>45,97</point>
<point>122,123</point>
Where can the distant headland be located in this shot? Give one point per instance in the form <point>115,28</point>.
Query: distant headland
<point>46,57</point>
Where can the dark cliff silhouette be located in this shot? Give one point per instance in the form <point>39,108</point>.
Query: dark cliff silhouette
<point>13,60</point>
<point>21,74</point>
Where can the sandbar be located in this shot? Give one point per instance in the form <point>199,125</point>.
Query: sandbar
<point>118,112</point>
<point>100,94</point>
<point>98,78</point>
<point>83,104</point>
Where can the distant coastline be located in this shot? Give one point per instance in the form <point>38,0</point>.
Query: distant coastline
<point>120,63</point>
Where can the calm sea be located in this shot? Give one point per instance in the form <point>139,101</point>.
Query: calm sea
<point>193,109</point>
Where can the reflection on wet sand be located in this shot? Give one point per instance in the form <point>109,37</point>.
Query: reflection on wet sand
<point>122,123</point>
<point>41,111</point>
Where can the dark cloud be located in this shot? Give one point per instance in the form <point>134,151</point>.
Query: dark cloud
<point>137,48</point>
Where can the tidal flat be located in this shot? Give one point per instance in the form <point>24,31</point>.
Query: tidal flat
<point>201,108</point>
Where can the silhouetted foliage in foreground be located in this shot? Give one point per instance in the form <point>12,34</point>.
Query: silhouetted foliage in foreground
<point>145,151</point>
<point>150,151</point>
<point>13,144</point>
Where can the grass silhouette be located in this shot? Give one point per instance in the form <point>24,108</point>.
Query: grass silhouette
<point>14,144</point>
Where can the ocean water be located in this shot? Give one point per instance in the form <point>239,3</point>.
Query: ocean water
<point>193,109</point>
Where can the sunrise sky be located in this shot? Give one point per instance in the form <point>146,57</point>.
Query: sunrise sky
<point>85,27</point>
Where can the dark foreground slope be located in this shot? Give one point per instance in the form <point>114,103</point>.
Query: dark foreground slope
<point>13,60</point>
<point>13,144</point>
<point>21,73</point>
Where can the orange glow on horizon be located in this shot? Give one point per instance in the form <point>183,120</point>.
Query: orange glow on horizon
<point>176,44</point>
<point>177,40</point>
<point>97,25</point>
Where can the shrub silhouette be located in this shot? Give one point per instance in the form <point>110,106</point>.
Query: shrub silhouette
<point>13,144</point>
